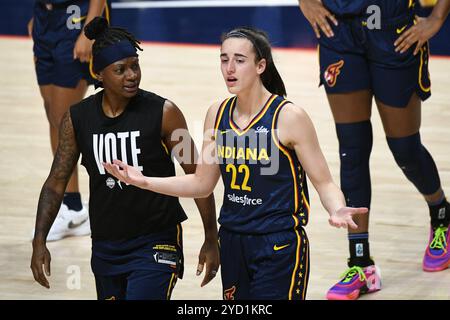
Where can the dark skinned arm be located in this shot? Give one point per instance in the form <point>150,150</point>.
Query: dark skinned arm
<point>51,196</point>
<point>174,122</point>
<point>424,29</point>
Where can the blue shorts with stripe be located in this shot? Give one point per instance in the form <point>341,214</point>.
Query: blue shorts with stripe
<point>272,266</point>
<point>363,58</point>
<point>143,268</point>
<point>54,41</point>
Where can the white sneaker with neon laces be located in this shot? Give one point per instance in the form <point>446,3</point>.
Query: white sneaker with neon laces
<point>69,223</point>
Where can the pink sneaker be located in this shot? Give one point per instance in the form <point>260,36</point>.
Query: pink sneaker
<point>356,281</point>
<point>437,255</point>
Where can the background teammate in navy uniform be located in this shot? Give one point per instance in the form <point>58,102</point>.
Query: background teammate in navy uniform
<point>265,145</point>
<point>379,51</point>
<point>61,55</point>
<point>136,234</point>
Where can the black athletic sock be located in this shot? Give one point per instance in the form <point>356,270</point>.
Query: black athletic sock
<point>359,250</point>
<point>440,214</point>
<point>73,201</point>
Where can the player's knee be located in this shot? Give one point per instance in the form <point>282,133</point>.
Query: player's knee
<point>415,162</point>
<point>406,151</point>
<point>355,146</point>
<point>355,143</point>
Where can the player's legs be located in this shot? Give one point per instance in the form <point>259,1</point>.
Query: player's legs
<point>352,112</point>
<point>61,84</point>
<point>111,287</point>
<point>61,100</point>
<point>150,285</point>
<point>234,273</point>
<point>73,218</point>
<point>402,128</point>
<point>345,76</point>
<point>279,265</point>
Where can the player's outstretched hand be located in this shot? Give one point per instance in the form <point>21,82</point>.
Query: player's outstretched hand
<point>125,173</point>
<point>343,218</point>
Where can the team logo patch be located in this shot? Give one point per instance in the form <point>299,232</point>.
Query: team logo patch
<point>110,182</point>
<point>228,294</point>
<point>332,73</point>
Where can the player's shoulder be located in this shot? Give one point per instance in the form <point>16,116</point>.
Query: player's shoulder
<point>292,111</point>
<point>86,103</point>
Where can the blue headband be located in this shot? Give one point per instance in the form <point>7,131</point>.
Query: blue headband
<point>115,52</point>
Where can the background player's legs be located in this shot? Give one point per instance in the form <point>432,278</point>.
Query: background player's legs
<point>60,102</point>
<point>72,217</point>
<point>402,127</point>
<point>352,112</point>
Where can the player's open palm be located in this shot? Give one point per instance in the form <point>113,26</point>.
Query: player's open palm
<point>125,173</point>
<point>318,17</point>
<point>343,218</point>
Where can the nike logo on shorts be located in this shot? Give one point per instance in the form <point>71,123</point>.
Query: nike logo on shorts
<point>277,248</point>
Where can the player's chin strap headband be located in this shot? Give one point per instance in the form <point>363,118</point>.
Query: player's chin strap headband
<point>239,34</point>
<point>115,52</point>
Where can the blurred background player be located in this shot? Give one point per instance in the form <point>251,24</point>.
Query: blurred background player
<point>379,51</point>
<point>62,54</point>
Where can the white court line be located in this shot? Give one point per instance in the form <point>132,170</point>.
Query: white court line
<point>203,3</point>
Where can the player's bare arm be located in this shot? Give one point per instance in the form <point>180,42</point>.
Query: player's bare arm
<point>200,185</point>
<point>51,196</point>
<point>187,156</point>
<point>303,139</point>
<point>424,29</point>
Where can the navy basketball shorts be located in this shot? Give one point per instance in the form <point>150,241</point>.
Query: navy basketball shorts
<point>143,268</point>
<point>53,44</point>
<point>358,58</point>
<point>264,267</point>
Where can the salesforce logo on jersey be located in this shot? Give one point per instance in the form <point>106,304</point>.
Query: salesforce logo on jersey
<point>245,201</point>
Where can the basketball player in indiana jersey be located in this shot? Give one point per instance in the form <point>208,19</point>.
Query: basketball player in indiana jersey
<point>265,146</point>
<point>378,49</point>
<point>137,248</point>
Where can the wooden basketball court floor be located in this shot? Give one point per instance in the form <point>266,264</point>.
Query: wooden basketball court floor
<point>190,76</point>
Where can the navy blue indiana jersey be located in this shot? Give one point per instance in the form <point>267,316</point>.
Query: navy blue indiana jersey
<point>389,8</point>
<point>265,185</point>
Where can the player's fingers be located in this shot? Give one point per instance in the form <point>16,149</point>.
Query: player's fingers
<point>39,276</point>
<point>47,260</point>
<point>200,268</point>
<point>325,27</point>
<point>332,18</point>
<point>119,163</point>
<point>209,275</point>
<point>403,36</point>
<point>418,46</point>
<point>351,223</point>
<point>316,29</point>
<point>358,211</point>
